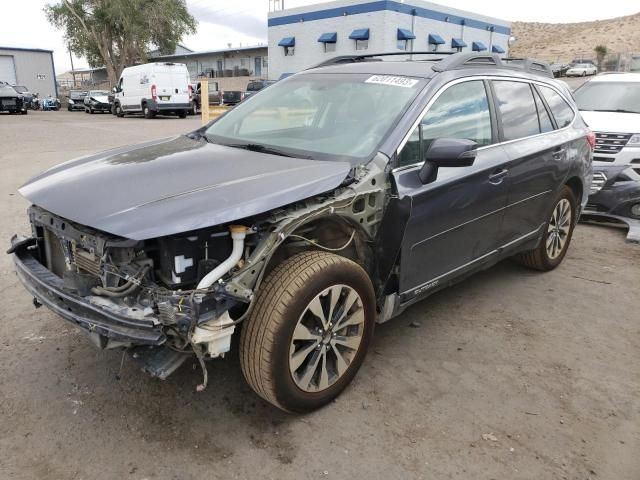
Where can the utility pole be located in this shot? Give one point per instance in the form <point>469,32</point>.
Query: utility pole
<point>73,72</point>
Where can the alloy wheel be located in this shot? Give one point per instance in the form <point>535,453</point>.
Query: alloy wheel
<point>326,338</point>
<point>558,229</point>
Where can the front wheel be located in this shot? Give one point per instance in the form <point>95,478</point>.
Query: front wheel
<point>557,235</point>
<point>309,331</point>
<point>119,111</point>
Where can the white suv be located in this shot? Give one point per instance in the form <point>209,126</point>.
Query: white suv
<point>610,104</point>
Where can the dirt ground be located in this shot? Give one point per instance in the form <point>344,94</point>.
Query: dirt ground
<point>512,374</point>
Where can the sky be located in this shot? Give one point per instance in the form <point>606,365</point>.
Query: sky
<point>243,22</point>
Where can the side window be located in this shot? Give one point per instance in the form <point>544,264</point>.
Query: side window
<point>461,111</point>
<point>517,108</point>
<point>560,109</point>
<point>546,125</point>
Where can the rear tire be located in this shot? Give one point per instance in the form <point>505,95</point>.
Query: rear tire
<point>309,331</point>
<point>148,113</point>
<point>194,108</point>
<point>182,114</point>
<point>557,235</point>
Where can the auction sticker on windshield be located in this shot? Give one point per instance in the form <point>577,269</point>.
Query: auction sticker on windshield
<point>392,80</point>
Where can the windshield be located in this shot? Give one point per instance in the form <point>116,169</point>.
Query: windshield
<point>319,116</point>
<point>582,65</point>
<point>20,89</point>
<point>609,97</point>
<point>98,92</point>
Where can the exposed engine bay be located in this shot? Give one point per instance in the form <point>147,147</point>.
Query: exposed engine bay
<point>195,287</point>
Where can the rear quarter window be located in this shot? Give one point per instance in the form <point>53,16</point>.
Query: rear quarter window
<point>560,109</point>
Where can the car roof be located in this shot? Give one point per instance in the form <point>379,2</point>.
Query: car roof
<point>617,77</point>
<point>423,69</point>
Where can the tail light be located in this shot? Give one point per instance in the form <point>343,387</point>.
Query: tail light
<point>153,92</point>
<point>591,138</point>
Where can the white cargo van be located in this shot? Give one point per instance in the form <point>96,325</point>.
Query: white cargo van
<point>153,88</point>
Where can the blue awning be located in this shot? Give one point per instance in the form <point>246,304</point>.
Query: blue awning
<point>497,49</point>
<point>404,34</point>
<point>435,39</point>
<point>458,43</point>
<point>330,37</point>
<point>478,47</point>
<point>287,42</point>
<point>360,34</point>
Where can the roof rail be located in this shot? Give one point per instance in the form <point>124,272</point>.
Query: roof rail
<point>469,60</point>
<point>373,57</point>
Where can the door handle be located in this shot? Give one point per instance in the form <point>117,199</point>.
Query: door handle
<point>497,176</point>
<point>558,153</point>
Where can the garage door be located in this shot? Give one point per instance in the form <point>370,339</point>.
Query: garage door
<point>7,70</point>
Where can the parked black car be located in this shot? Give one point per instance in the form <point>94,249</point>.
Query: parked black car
<point>10,100</point>
<point>216,96</point>
<point>75,100</point>
<point>257,85</point>
<point>559,69</point>
<point>331,201</point>
<point>97,101</point>
<point>27,96</point>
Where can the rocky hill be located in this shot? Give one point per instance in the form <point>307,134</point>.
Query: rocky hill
<point>562,42</point>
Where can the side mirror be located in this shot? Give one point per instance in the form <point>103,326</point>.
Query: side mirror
<point>447,152</point>
<point>114,90</point>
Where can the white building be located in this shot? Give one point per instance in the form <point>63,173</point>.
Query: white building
<point>305,36</point>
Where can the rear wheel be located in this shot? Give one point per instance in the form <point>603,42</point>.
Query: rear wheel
<point>182,114</point>
<point>148,113</point>
<point>557,235</point>
<point>194,108</point>
<point>309,331</point>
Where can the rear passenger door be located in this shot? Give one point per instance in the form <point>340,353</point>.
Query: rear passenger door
<point>536,153</point>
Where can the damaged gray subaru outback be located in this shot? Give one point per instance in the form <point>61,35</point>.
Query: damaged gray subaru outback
<point>325,203</point>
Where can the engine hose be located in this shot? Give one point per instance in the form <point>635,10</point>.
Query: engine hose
<point>128,283</point>
<point>123,293</point>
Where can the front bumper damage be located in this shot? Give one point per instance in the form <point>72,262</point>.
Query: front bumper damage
<point>108,329</point>
<point>109,325</point>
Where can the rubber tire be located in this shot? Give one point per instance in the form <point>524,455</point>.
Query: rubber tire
<point>119,112</point>
<point>69,108</point>
<point>265,336</point>
<point>182,114</point>
<point>194,108</point>
<point>147,112</point>
<point>91,111</point>
<point>24,112</point>
<point>538,259</point>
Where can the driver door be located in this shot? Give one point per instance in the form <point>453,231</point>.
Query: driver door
<point>455,221</point>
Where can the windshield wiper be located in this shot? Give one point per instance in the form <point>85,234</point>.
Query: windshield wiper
<point>616,110</point>
<point>258,147</point>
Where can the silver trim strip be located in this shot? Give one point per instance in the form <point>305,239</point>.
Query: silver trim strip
<point>492,252</point>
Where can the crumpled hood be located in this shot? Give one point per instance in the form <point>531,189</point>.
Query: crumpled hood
<point>612,122</point>
<point>176,185</point>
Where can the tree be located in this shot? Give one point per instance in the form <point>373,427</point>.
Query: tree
<point>601,52</point>
<point>119,33</point>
